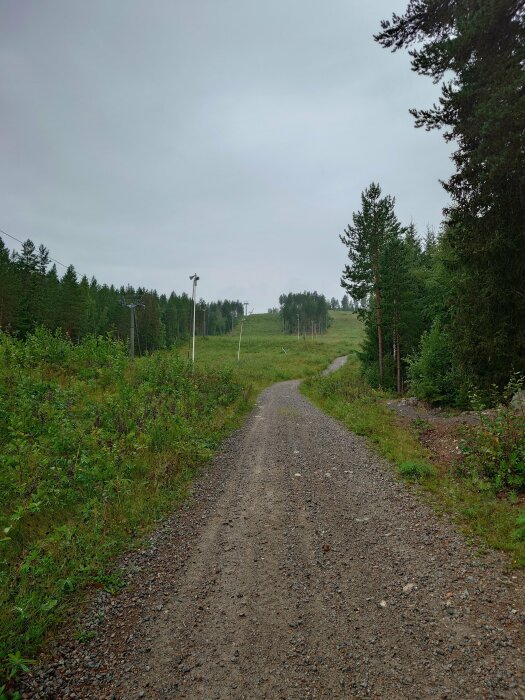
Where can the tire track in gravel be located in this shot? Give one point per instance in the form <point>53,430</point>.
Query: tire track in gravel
<point>300,569</point>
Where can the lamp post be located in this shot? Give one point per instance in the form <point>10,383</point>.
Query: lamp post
<point>240,339</point>
<point>243,319</point>
<point>195,280</point>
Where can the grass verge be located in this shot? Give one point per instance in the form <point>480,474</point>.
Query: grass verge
<point>488,519</point>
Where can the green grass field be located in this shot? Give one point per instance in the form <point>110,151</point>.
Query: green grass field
<point>263,359</point>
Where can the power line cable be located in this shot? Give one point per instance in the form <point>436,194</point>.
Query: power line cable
<point>22,243</point>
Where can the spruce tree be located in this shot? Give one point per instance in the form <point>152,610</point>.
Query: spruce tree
<point>27,301</point>
<point>373,225</point>
<point>70,305</point>
<point>7,289</point>
<point>477,50</point>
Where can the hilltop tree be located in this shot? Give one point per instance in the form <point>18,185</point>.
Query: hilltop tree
<point>481,45</point>
<point>27,260</point>
<point>306,311</point>
<point>30,268</point>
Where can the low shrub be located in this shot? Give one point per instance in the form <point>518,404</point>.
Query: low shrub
<point>494,450</point>
<point>93,449</point>
<point>432,375</point>
<point>413,471</point>
<point>519,533</point>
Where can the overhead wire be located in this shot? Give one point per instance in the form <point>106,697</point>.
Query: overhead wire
<point>22,243</point>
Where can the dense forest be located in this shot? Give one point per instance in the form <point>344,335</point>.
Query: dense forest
<point>32,294</point>
<point>304,313</point>
<point>448,314</point>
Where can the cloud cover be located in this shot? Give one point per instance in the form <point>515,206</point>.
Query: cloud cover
<point>142,141</point>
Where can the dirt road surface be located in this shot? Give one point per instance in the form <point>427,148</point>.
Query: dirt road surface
<point>299,569</point>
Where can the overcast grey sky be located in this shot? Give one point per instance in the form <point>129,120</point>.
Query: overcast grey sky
<point>143,140</point>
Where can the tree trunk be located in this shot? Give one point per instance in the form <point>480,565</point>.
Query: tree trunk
<point>379,320</point>
<point>397,345</point>
<point>398,363</point>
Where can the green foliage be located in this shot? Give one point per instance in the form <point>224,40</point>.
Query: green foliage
<point>93,449</point>
<point>432,374</point>
<point>491,519</point>
<point>304,313</point>
<point>33,295</point>
<point>495,449</point>
<point>519,533</point>
<point>477,52</point>
<point>413,471</point>
<point>386,274</point>
<point>17,664</point>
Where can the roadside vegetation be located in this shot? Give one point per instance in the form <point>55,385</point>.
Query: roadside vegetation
<point>444,312</point>
<point>93,450</point>
<point>96,449</point>
<point>483,491</point>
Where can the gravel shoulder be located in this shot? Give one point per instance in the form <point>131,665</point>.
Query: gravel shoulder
<point>300,568</point>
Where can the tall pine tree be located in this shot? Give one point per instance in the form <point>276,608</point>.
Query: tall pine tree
<point>366,239</point>
<point>481,45</point>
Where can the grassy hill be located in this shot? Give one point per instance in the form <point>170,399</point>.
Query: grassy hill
<point>268,355</point>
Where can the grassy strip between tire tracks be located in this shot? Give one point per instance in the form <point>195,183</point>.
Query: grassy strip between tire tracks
<point>486,519</point>
<point>94,451</point>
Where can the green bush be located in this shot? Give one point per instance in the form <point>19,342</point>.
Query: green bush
<point>432,375</point>
<point>519,533</point>
<point>414,471</point>
<point>494,449</point>
<point>92,449</point>
<point>370,369</point>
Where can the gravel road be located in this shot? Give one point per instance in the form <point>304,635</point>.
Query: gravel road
<point>300,568</point>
